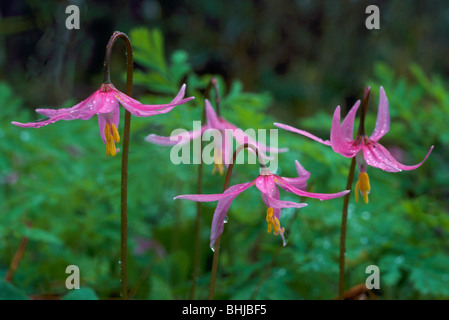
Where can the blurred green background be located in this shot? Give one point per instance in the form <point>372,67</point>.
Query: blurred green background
<point>277,61</point>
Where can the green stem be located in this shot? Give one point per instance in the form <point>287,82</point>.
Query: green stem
<point>213,277</point>
<point>344,218</point>
<point>125,152</point>
<point>196,253</point>
<point>344,215</point>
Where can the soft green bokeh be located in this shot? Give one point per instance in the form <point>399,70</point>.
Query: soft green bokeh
<point>58,180</point>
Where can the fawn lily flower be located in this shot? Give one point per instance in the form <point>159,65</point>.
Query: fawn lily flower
<point>105,103</point>
<point>267,183</point>
<point>367,150</point>
<point>223,146</point>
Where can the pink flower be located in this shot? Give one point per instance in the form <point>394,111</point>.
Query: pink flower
<point>223,147</point>
<point>105,103</point>
<point>367,150</point>
<point>267,183</point>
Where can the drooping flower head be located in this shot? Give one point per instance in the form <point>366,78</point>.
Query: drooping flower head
<point>223,146</point>
<point>367,150</point>
<point>267,183</point>
<point>105,103</point>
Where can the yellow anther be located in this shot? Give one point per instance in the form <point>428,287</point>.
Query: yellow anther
<point>269,219</point>
<point>110,145</point>
<point>218,163</point>
<point>364,187</point>
<point>273,223</point>
<point>115,133</point>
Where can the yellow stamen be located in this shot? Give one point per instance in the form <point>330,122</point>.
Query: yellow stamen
<point>115,133</point>
<point>273,223</point>
<point>110,145</point>
<point>364,187</point>
<point>357,188</point>
<point>218,163</point>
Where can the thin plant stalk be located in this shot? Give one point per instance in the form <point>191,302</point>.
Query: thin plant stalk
<point>196,253</point>
<point>213,277</point>
<point>199,189</point>
<point>125,152</point>
<point>344,215</point>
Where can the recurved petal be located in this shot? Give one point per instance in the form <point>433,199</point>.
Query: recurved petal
<point>145,110</point>
<point>270,193</point>
<point>347,127</point>
<point>302,132</point>
<point>83,111</point>
<point>238,188</point>
<point>378,156</point>
<point>180,94</point>
<point>39,123</point>
<point>181,138</point>
<point>301,181</point>
<point>242,138</point>
<point>338,142</point>
<point>222,209</point>
<point>322,196</point>
<point>211,117</point>
<point>279,204</point>
<point>383,117</point>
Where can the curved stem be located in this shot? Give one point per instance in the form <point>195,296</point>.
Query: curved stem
<point>213,277</point>
<point>124,178</point>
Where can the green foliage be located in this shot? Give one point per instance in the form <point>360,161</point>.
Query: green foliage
<point>59,190</point>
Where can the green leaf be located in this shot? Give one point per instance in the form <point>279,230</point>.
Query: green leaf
<point>10,292</point>
<point>81,294</point>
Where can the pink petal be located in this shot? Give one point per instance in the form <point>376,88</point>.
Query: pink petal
<point>102,125</point>
<point>301,181</point>
<point>113,117</point>
<point>270,194</point>
<point>180,94</point>
<point>211,117</point>
<point>242,138</point>
<point>383,117</point>
<point>338,142</point>
<point>347,127</point>
<point>182,138</point>
<point>83,111</point>
<point>40,123</point>
<point>322,196</point>
<point>378,156</point>
<point>239,188</point>
<point>222,209</point>
<point>142,110</point>
<point>227,148</point>
<point>302,132</point>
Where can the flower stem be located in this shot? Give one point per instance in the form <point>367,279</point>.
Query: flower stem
<point>344,215</point>
<point>213,277</point>
<point>363,108</point>
<point>125,152</point>
<point>196,254</point>
<point>344,218</point>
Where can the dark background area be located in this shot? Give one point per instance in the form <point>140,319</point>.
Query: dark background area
<point>308,54</point>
